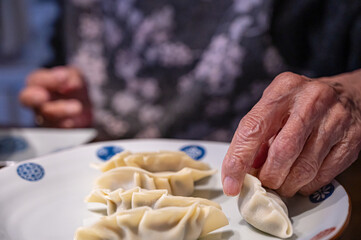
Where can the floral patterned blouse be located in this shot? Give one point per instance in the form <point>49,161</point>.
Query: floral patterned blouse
<point>186,69</point>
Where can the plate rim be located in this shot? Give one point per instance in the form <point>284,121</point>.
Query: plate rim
<point>333,236</point>
<point>338,234</point>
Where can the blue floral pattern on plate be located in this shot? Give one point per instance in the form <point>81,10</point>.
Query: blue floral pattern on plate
<point>106,152</point>
<point>322,194</point>
<point>12,144</point>
<point>30,171</point>
<point>194,151</point>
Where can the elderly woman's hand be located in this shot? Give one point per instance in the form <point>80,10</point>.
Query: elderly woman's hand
<point>301,134</point>
<point>58,97</point>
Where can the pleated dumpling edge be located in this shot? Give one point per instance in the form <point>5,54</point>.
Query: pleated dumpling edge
<point>176,223</point>
<point>161,161</point>
<point>120,200</point>
<point>179,183</point>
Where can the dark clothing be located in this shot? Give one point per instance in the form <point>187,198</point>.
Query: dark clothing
<point>318,37</point>
<point>193,69</point>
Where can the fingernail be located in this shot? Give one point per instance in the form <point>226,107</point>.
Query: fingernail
<point>230,186</point>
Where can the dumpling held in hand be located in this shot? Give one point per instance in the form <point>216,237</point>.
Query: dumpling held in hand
<point>263,209</point>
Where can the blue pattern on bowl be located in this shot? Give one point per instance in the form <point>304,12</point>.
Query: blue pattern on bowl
<point>30,171</point>
<point>12,144</point>
<point>322,194</point>
<point>106,152</point>
<point>194,151</point>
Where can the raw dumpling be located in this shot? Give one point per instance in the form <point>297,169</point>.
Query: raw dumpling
<point>153,161</point>
<point>179,183</point>
<point>119,200</point>
<point>176,223</point>
<point>264,210</point>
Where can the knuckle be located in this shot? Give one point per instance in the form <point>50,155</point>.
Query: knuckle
<point>283,86</point>
<point>233,166</point>
<point>283,150</point>
<point>320,87</point>
<point>340,111</point>
<point>342,116</point>
<point>250,126</point>
<point>323,92</point>
<point>320,98</point>
<point>349,146</point>
<point>334,125</point>
<point>289,80</point>
<point>328,137</point>
<point>305,171</point>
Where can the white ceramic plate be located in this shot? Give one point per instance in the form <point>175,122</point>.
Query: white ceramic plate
<point>17,144</point>
<point>42,198</point>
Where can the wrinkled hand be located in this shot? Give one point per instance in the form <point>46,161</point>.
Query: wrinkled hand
<point>58,97</point>
<point>301,134</point>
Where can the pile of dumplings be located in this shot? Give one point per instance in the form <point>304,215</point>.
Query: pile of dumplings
<point>147,196</point>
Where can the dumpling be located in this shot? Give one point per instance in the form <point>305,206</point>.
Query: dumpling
<point>176,223</point>
<point>264,210</point>
<point>179,183</point>
<point>119,200</point>
<point>153,161</point>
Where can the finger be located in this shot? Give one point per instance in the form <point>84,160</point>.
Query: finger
<point>262,154</point>
<point>340,157</point>
<point>259,125</point>
<point>71,77</point>
<point>60,109</point>
<point>312,102</point>
<point>45,79</point>
<point>34,96</point>
<point>79,121</point>
<point>55,123</point>
<point>58,79</point>
<point>305,168</point>
<point>84,119</point>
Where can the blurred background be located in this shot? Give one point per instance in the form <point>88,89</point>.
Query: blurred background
<point>27,42</point>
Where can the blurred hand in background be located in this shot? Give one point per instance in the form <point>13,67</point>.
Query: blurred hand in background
<point>58,97</point>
